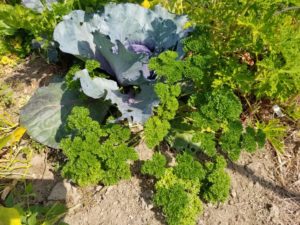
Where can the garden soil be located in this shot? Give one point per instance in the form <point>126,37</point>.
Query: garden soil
<point>265,186</point>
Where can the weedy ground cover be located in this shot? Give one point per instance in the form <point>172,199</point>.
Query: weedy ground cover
<point>197,81</point>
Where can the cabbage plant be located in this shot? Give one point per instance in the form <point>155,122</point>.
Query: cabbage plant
<point>122,37</point>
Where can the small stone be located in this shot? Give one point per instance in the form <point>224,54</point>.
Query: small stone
<point>257,185</point>
<point>150,206</point>
<point>274,211</point>
<point>64,191</point>
<point>58,192</point>
<point>233,193</point>
<point>98,188</point>
<point>144,204</point>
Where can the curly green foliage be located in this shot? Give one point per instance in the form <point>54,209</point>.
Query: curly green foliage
<point>168,100</point>
<point>177,190</point>
<point>179,206</point>
<point>91,65</point>
<point>234,140</point>
<point>156,166</point>
<point>175,195</point>
<point>260,138</point>
<point>83,165</point>
<point>216,184</point>
<point>79,123</point>
<point>69,78</point>
<point>203,123</point>
<point>230,140</point>
<point>178,199</point>
<point>167,66</point>
<point>249,140</point>
<point>155,130</point>
<point>95,153</point>
<point>214,112</point>
<point>211,112</point>
<point>158,126</point>
<point>170,70</point>
<point>220,104</point>
<point>188,168</point>
<point>207,143</point>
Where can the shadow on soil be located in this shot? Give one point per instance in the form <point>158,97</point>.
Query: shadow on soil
<point>277,189</point>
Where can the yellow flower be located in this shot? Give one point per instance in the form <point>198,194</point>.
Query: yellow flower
<point>146,4</point>
<point>5,60</point>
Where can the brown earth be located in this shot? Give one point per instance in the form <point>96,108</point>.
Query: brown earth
<point>265,186</point>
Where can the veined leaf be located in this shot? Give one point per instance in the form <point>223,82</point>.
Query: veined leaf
<point>45,114</point>
<point>135,108</point>
<point>121,42</point>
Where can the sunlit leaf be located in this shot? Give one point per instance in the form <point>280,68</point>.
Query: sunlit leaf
<point>12,138</point>
<point>9,216</point>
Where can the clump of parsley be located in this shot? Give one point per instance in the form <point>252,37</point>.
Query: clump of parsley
<point>178,188</point>
<point>216,185</point>
<point>95,153</point>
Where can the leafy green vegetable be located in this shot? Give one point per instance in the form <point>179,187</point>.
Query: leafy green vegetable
<point>249,140</point>
<point>155,131</point>
<point>231,139</point>
<point>95,153</point>
<point>188,169</point>
<point>177,188</point>
<point>221,105</point>
<point>206,142</point>
<point>178,205</point>
<point>53,104</point>
<point>216,184</point>
<point>156,166</point>
<point>167,66</point>
<point>122,53</point>
<point>157,127</point>
<point>176,195</point>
